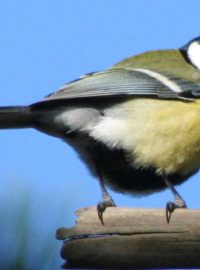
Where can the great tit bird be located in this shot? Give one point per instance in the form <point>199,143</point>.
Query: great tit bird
<point>136,125</point>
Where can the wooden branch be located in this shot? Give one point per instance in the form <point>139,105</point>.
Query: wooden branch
<point>132,238</point>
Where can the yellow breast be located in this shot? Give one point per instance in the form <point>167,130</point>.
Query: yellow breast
<point>163,134</point>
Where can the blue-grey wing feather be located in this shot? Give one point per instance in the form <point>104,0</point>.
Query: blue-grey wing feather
<point>123,82</point>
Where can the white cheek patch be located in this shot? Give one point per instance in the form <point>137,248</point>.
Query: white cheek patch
<point>194,54</point>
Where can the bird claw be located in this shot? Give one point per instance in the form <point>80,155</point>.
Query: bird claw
<point>170,207</point>
<point>101,208</point>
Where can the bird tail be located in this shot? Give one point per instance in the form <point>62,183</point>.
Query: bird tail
<point>15,117</point>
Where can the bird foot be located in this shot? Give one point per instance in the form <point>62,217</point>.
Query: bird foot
<point>102,205</point>
<point>171,206</point>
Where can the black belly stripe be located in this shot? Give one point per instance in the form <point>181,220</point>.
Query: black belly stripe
<point>119,173</point>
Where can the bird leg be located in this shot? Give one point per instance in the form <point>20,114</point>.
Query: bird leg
<point>107,201</point>
<point>171,206</point>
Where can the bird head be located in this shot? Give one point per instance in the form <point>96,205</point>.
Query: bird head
<point>191,52</point>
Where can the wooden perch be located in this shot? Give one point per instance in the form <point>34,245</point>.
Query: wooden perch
<point>132,238</point>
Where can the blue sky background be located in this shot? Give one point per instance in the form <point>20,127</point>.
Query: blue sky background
<point>43,45</point>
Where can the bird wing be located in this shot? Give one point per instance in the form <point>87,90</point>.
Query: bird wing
<point>124,82</point>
